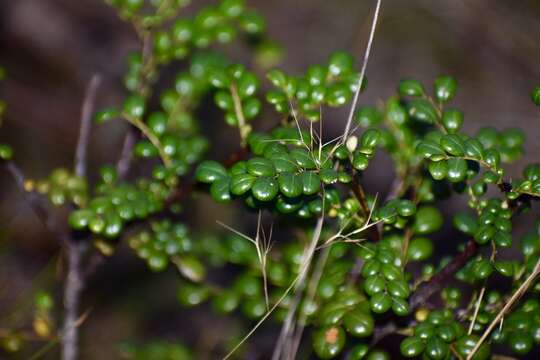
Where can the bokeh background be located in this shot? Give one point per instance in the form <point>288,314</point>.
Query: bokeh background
<point>51,48</point>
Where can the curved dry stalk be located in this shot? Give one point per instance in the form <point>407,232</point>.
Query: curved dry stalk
<point>362,71</point>
<point>301,274</point>
<point>262,246</point>
<point>287,326</point>
<point>513,299</point>
<point>312,288</point>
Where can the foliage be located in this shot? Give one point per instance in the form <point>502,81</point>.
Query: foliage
<point>373,266</point>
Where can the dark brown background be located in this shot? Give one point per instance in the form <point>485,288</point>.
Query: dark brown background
<point>50,48</point>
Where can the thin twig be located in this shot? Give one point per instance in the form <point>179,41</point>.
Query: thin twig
<point>72,293</point>
<point>515,297</point>
<point>437,282</point>
<point>32,198</point>
<point>76,248</point>
<point>242,126</point>
<point>310,296</point>
<point>303,270</point>
<point>288,326</point>
<point>362,72</point>
<point>85,126</point>
<point>126,155</point>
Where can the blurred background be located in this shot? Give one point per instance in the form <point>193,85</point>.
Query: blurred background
<point>51,48</point>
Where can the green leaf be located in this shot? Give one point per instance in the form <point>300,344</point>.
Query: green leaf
<point>412,346</point>
<point>224,100</point>
<point>482,269</point>
<point>277,78</point>
<point>220,189</point>
<point>410,87</point>
<point>374,285</point>
<point>358,323</point>
<point>360,161</point>
<point>241,183</point>
<point>420,249</point>
<point>452,120</point>
<point>398,288</point>
<point>503,239</point>
<point>258,142</point>
<point>370,138</point>
<point>484,233</point>
<point>225,302</point>
<point>303,158</point>
<point>265,188</point>
<point>380,303</point>
<point>453,144</point>
<point>430,149</point>
<point>328,176</point>
<point>219,78</point>
<point>438,169</point>
<point>445,88</point>
<point>466,344</point>
<point>505,268</point>
<point>436,348</point>
<point>340,63</point>
<point>465,223</point>
<point>311,182</point>
<point>247,85</point>
<point>368,116</point>
<point>290,184</point>
<point>428,220</point>
<point>284,162</point>
<point>395,112</point>
<point>422,110</point>
<point>191,295</point>
<point>457,169</point>
<point>492,158</point>
<point>209,171</point>
<point>134,106</point>
<point>260,167</point>
<point>474,149</point>
<point>329,341</point>
<point>191,268</point>
<point>400,306</point>
<point>106,115</point>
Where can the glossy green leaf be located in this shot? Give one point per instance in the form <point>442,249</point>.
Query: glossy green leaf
<point>438,169</point>
<point>445,88</point>
<point>420,249</point>
<point>220,189</point>
<point>241,183</point>
<point>412,346</point>
<point>457,169</point>
<point>422,110</point>
<point>290,185</point>
<point>265,188</point>
<point>453,144</point>
<point>260,167</point>
<point>410,87</point>
<point>358,323</point>
<point>328,342</point>
<point>428,220</point>
<point>209,171</point>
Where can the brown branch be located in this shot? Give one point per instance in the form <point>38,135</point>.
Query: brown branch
<point>126,156</point>
<point>86,125</point>
<point>35,201</point>
<point>76,248</point>
<point>360,194</point>
<point>438,281</point>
